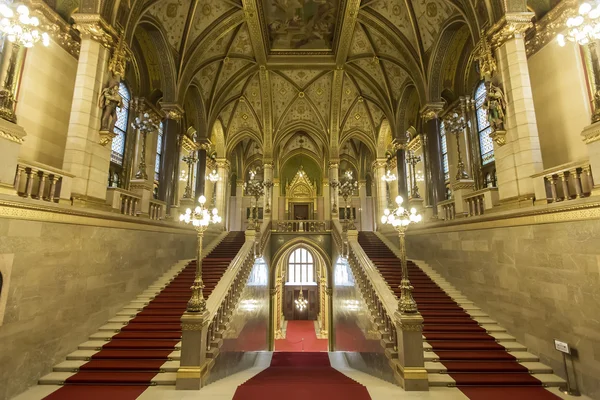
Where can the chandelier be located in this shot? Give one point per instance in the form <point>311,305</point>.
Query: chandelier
<point>583,28</point>
<point>301,302</point>
<point>19,27</point>
<point>389,176</point>
<point>213,176</point>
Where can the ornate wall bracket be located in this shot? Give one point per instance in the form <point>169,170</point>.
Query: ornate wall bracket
<point>499,137</point>
<point>511,25</point>
<point>105,137</point>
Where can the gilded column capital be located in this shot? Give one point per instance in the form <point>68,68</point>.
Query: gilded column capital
<point>379,163</point>
<point>334,163</point>
<point>94,27</point>
<point>223,163</point>
<point>431,111</point>
<point>510,25</point>
<point>172,111</point>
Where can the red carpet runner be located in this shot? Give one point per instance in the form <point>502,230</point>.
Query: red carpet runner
<point>125,366</point>
<point>295,333</point>
<point>482,368</point>
<point>301,376</point>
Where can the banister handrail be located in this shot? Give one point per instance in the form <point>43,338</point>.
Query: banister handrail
<point>222,289</point>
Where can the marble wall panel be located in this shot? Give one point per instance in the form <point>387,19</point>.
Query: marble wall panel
<point>66,281</point>
<point>541,282</point>
<point>355,334</point>
<point>247,333</point>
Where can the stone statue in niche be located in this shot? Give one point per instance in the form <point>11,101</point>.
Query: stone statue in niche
<point>110,99</point>
<point>495,104</point>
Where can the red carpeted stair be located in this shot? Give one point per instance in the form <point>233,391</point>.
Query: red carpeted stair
<point>301,376</point>
<point>301,336</point>
<point>126,365</point>
<point>481,367</point>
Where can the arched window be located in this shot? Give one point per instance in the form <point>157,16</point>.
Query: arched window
<point>159,143</point>
<point>118,143</point>
<point>486,144</point>
<point>301,267</point>
<point>444,147</point>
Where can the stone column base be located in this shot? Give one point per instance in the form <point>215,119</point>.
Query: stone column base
<point>193,367</point>
<point>410,370</point>
<point>144,189</point>
<point>459,190</point>
<point>11,137</point>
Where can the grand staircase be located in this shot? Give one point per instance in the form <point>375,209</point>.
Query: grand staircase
<point>140,346</point>
<point>463,346</point>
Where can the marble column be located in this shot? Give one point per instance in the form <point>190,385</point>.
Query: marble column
<point>275,211</point>
<point>85,157</point>
<point>334,177</point>
<point>200,188</point>
<point>268,196</point>
<point>365,219</point>
<point>326,200</point>
<point>401,171</point>
<point>382,203</point>
<point>169,168</point>
<point>436,190</point>
<point>223,171</point>
<point>520,157</point>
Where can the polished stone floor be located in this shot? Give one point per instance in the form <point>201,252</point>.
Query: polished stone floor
<point>225,388</point>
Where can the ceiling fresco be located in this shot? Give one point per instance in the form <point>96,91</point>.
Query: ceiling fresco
<point>301,24</point>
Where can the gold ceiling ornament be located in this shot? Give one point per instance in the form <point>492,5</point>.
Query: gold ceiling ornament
<point>94,27</point>
<point>431,111</point>
<point>118,61</point>
<point>511,25</point>
<point>172,111</point>
<point>550,25</point>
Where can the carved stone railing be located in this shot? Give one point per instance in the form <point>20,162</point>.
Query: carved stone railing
<point>157,209</point>
<point>401,335</point>
<point>202,333</point>
<point>479,201</point>
<point>299,226</point>
<point>564,182</point>
<point>447,210</point>
<point>42,182</point>
<point>123,201</point>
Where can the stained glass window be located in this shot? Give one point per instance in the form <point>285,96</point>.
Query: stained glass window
<point>301,267</point>
<point>486,144</point>
<point>444,144</point>
<point>118,143</point>
<point>159,142</point>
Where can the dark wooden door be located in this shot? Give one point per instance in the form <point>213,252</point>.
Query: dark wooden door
<point>300,211</point>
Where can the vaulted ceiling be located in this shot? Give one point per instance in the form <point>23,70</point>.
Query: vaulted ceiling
<point>338,70</point>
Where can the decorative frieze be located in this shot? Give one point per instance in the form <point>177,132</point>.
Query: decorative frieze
<point>508,27</point>
<point>546,29</point>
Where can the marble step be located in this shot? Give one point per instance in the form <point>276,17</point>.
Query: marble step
<point>97,345</point>
<point>85,355</point>
<point>73,366</point>
<point>521,356</point>
<point>533,367</point>
<point>440,379</point>
<point>59,378</point>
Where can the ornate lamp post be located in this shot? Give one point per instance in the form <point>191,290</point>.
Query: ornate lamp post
<point>400,219</point>
<point>413,160</point>
<point>214,178</point>
<point>144,125</point>
<point>387,178</point>
<point>268,185</point>
<point>190,160</point>
<point>200,218</point>
<point>254,188</point>
<point>455,124</point>
<point>347,188</point>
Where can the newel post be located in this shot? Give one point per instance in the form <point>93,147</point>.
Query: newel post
<point>194,336</point>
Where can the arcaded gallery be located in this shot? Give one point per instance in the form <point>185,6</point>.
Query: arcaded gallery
<point>299,199</point>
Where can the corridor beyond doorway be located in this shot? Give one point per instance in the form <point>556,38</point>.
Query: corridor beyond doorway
<point>300,336</point>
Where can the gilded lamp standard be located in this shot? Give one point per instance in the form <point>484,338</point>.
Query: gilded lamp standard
<point>347,188</point>
<point>387,178</point>
<point>190,160</point>
<point>413,160</point>
<point>456,124</point>
<point>334,185</point>
<point>144,125</point>
<point>268,185</point>
<point>254,188</point>
<point>200,218</point>
<point>400,219</point>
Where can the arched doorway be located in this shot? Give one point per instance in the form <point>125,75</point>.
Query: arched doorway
<point>301,275</point>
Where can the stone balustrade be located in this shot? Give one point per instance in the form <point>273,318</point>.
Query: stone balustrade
<point>308,226</point>
<point>447,209</point>
<point>42,182</point>
<point>564,182</point>
<point>123,201</point>
<point>157,209</point>
<point>480,200</point>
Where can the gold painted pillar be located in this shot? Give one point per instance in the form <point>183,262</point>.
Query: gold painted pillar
<point>222,200</point>
<point>334,177</point>
<point>382,195</point>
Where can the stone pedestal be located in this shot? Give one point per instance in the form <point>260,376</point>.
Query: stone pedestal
<point>11,137</point>
<point>194,327</point>
<point>591,137</point>
<point>410,369</point>
<point>416,203</point>
<point>143,188</point>
<point>459,190</point>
